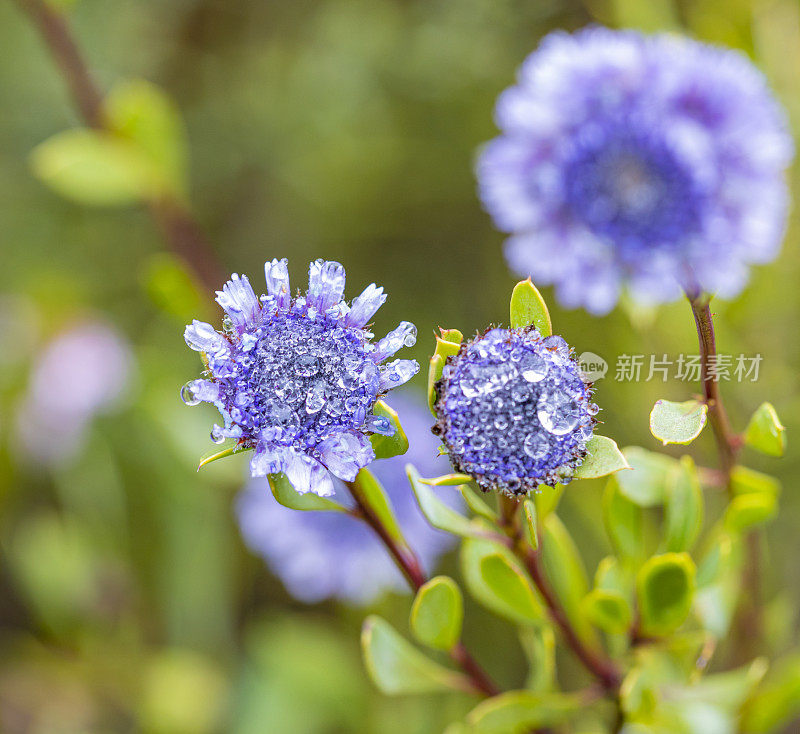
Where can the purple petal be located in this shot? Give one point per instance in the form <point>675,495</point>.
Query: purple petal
<point>325,284</point>
<point>365,306</point>
<point>346,453</point>
<point>403,335</point>
<point>308,475</point>
<point>397,373</point>
<point>268,459</point>
<point>276,274</point>
<point>239,301</point>
<point>202,337</point>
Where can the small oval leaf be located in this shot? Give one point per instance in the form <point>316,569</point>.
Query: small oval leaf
<point>387,446</point>
<point>518,712</point>
<point>683,507</point>
<point>497,581</point>
<point>288,496</point>
<point>529,309</point>
<point>677,422</point>
<point>603,457</point>
<point>437,512</point>
<point>665,586</point>
<point>397,667</point>
<point>607,610</point>
<point>438,613</point>
<point>646,485</point>
<point>370,492</point>
<point>765,432</point>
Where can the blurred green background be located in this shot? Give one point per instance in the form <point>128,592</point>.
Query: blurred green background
<point>343,129</point>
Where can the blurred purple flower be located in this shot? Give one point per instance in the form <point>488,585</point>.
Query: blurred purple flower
<point>654,163</point>
<point>82,372</point>
<point>320,555</point>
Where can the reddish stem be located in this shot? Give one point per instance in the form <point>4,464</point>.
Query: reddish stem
<point>408,563</point>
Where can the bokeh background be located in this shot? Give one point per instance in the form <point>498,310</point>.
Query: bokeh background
<point>343,129</point>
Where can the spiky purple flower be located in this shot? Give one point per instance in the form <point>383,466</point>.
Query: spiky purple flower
<point>297,378</point>
<point>513,410</point>
<point>652,163</point>
<point>320,555</point>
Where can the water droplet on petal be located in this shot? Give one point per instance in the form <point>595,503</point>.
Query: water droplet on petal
<point>315,398</point>
<point>535,445</point>
<point>187,394</point>
<point>558,412</point>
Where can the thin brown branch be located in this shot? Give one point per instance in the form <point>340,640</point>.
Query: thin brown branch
<point>596,663</point>
<point>408,563</point>
<point>729,444</point>
<point>179,230</point>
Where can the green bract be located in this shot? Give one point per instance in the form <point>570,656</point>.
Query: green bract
<point>677,422</point>
<point>437,613</point>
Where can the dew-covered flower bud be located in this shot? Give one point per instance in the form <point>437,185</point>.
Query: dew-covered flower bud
<point>649,164</point>
<point>513,410</point>
<point>297,379</point>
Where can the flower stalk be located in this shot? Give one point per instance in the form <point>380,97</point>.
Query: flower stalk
<point>729,445</point>
<point>408,563</point>
<point>596,663</point>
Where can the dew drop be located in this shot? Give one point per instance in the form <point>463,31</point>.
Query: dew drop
<point>558,412</point>
<point>187,394</point>
<point>535,445</point>
<point>216,435</point>
<point>315,398</point>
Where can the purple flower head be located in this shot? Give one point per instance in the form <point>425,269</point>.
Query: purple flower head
<point>321,555</point>
<point>653,163</point>
<point>513,410</point>
<point>297,378</point>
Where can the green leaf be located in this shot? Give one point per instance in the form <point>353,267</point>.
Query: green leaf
<point>437,512</point>
<point>96,168</point>
<point>646,485</point>
<point>623,520</point>
<point>718,583</point>
<point>447,345</point>
<point>776,702</point>
<point>566,572</point>
<point>665,586</point>
<point>745,511</point>
<point>216,454</point>
<point>678,422</point>
<point>448,480</point>
<point>496,579</point>
<point>387,446</point>
<point>529,309</point>
<point>765,432</point>
<point>454,336</point>
<point>396,667</point>
<point>142,113</point>
<point>539,645</point>
<point>517,712</point>
<point>371,493</point>
<point>546,499</point>
<point>749,481</point>
<point>683,507</point>
<point>477,504</point>
<point>602,458</point>
<point>608,610</point>
<point>288,496</point>
<point>435,369</point>
<point>438,613</point>
<point>531,531</point>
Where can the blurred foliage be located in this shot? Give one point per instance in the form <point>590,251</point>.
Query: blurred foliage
<point>342,129</point>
